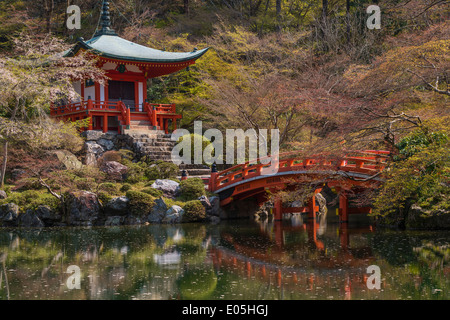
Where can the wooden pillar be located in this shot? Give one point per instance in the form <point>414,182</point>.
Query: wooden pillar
<point>166,125</point>
<point>277,209</point>
<point>105,123</point>
<point>343,207</point>
<point>278,233</point>
<point>128,120</point>
<point>90,122</point>
<point>344,236</point>
<point>154,121</point>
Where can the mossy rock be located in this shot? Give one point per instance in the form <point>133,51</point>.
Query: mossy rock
<point>194,211</point>
<point>153,192</point>
<point>192,188</point>
<point>140,203</point>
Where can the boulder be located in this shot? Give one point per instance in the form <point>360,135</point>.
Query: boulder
<point>114,221</point>
<point>169,187</point>
<point>93,152</point>
<point>3,194</point>
<point>92,135</point>
<point>83,208</point>
<point>205,202</point>
<point>173,215</point>
<point>115,170</point>
<point>9,213</point>
<point>422,219</point>
<point>47,215</point>
<point>117,206</point>
<point>216,209</point>
<point>158,211</point>
<point>29,219</point>
<point>105,143</point>
<point>67,159</point>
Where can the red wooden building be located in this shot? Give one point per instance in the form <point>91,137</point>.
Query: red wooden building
<point>122,103</point>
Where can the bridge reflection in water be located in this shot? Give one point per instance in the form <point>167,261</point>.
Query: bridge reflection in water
<point>299,256</point>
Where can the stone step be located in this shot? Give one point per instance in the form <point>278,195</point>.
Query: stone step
<point>193,166</point>
<point>155,148</point>
<point>197,172</point>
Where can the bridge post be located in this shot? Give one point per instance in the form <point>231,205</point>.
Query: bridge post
<point>277,210</point>
<point>343,207</point>
<point>212,179</point>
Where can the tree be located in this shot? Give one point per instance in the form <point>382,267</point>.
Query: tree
<point>29,81</point>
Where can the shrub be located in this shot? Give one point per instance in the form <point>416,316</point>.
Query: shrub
<point>140,203</point>
<point>192,188</point>
<point>193,211</point>
<point>31,199</point>
<point>104,197</point>
<point>161,170</point>
<point>125,187</point>
<point>109,187</point>
<point>153,192</point>
<point>136,172</point>
<point>109,156</point>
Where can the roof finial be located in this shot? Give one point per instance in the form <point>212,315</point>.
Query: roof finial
<point>105,22</point>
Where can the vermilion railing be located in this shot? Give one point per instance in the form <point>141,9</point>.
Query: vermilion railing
<point>154,111</point>
<point>367,162</point>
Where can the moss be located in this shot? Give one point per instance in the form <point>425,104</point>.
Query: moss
<point>192,189</point>
<point>193,211</point>
<point>140,203</point>
<point>153,192</point>
<point>161,170</point>
<point>104,197</point>
<point>109,187</point>
<point>31,199</point>
<point>125,187</point>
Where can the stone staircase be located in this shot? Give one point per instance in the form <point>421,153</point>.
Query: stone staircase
<point>157,145</point>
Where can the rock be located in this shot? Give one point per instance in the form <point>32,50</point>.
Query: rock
<point>419,218</point>
<point>117,206</point>
<point>47,215</point>
<point>3,194</point>
<point>83,208</point>
<point>9,213</point>
<point>169,187</point>
<point>216,209</point>
<point>93,152</point>
<point>114,170</point>
<point>92,135</point>
<point>133,220</point>
<point>173,215</point>
<point>214,219</point>
<point>158,211</point>
<point>29,219</point>
<point>105,143</point>
<point>205,202</point>
<point>67,159</point>
<point>114,221</point>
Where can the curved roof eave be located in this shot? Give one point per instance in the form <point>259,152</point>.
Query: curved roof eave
<point>144,52</point>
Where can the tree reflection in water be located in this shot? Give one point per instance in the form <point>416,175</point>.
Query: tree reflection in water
<point>292,259</point>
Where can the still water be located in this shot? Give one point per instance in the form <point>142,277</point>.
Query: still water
<point>232,260</point>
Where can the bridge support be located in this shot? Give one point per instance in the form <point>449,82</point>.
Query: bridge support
<point>277,210</point>
<point>343,207</point>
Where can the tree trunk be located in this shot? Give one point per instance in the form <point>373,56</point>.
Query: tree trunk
<point>5,160</point>
<point>278,8</point>
<point>324,10</point>
<point>49,5</point>
<point>348,20</point>
<point>186,7</point>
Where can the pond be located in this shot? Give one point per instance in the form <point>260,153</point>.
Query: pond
<point>240,259</point>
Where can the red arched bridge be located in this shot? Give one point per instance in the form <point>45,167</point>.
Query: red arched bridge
<point>358,169</point>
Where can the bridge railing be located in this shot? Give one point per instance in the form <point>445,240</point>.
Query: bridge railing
<point>367,162</point>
